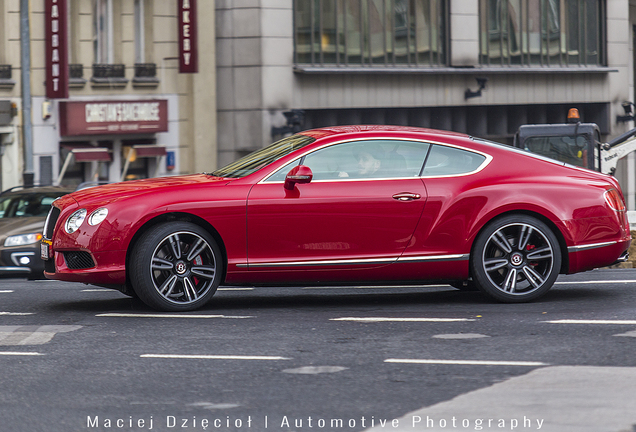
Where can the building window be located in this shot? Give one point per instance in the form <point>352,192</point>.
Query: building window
<point>139,32</point>
<point>371,32</point>
<point>557,33</point>
<point>103,31</point>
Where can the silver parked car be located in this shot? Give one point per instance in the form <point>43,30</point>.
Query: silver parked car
<point>22,215</point>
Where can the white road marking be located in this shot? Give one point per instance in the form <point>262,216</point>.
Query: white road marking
<point>627,334</point>
<point>9,353</point>
<point>17,313</point>
<point>467,362</point>
<point>551,399</point>
<point>460,336</point>
<point>99,290</point>
<point>212,357</point>
<point>32,335</point>
<point>595,282</point>
<point>388,319</point>
<point>235,289</point>
<point>314,370</point>
<point>214,406</point>
<point>605,322</point>
<point>373,286</point>
<point>131,315</point>
<point>6,291</point>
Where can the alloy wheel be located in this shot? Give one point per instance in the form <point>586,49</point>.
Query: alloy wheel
<point>183,267</point>
<point>518,259</point>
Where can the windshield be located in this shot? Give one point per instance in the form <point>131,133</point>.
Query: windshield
<point>568,149</point>
<point>29,205</point>
<point>254,161</point>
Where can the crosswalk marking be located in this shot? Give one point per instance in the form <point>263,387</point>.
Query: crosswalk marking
<point>550,399</point>
<point>32,335</point>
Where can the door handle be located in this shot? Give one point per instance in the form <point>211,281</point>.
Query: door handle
<point>406,196</point>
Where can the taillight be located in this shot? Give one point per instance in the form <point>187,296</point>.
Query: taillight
<point>615,200</point>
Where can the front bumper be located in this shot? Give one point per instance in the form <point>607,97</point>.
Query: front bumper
<point>108,269</point>
<point>21,262</point>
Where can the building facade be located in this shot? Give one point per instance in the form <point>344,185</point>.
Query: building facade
<point>483,67</point>
<point>110,97</point>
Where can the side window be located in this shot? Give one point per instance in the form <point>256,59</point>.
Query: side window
<point>444,161</point>
<point>368,159</point>
<point>333,162</point>
<point>279,176</point>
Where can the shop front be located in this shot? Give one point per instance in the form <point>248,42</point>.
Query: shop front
<point>107,141</point>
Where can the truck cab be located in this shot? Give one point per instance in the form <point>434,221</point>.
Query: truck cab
<point>577,144</point>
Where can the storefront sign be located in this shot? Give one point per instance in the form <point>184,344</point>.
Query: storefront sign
<point>113,117</point>
<point>56,56</point>
<point>188,49</point>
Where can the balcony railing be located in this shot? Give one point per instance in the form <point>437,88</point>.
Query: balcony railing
<point>145,75</point>
<point>109,71</point>
<point>109,75</point>
<point>76,71</point>
<point>145,70</point>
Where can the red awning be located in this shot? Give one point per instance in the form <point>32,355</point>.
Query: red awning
<point>150,150</point>
<point>92,154</point>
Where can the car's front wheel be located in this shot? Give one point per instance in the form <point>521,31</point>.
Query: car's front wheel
<point>516,258</point>
<point>176,266</point>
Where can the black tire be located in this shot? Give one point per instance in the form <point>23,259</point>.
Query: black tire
<point>516,259</point>
<point>176,266</point>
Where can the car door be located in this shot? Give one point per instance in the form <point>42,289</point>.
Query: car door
<point>346,216</point>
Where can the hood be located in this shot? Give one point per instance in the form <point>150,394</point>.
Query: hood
<point>118,191</point>
<point>20,225</point>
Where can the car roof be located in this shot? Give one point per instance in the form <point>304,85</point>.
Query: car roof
<point>21,190</point>
<point>355,129</point>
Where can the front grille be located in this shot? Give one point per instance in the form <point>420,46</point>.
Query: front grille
<point>78,260</point>
<point>51,220</point>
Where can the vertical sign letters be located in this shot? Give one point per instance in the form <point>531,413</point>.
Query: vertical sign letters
<point>188,50</point>
<point>56,57</point>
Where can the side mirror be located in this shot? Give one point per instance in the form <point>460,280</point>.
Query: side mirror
<point>299,174</point>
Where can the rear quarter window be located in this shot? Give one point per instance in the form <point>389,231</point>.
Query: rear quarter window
<point>450,161</point>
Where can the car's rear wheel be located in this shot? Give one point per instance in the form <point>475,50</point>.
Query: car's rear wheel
<point>176,266</point>
<point>516,258</point>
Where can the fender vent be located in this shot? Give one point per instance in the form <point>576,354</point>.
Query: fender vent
<point>78,260</point>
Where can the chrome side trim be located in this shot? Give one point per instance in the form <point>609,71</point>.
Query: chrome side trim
<point>423,258</point>
<point>590,246</point>
<point>452,257</point>
<point>322,262</point>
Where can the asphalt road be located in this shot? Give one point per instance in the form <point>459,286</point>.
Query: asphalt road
<point>80,358</point>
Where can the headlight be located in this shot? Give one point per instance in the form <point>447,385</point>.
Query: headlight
<point>98,216</point>
<point>75,221</point>
<point>23,239</point>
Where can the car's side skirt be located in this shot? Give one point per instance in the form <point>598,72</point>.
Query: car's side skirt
<point>423,258</point>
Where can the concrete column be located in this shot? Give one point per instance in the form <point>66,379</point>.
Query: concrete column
<point>464,28</point>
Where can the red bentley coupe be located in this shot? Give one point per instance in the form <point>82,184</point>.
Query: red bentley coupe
<point>356,204</point>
